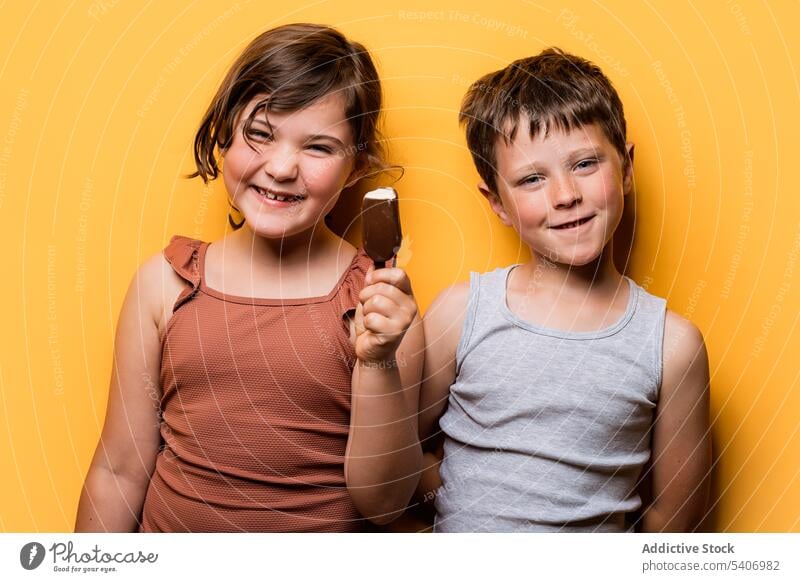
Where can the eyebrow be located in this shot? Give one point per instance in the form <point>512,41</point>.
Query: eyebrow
<point>325,136</point>
<point>587,151</point>
<point>570,157</point>
<point>316,136</point>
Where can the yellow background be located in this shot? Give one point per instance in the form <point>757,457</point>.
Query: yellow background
<point>98,108</point>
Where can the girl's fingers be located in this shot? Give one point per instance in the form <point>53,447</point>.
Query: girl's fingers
<point>388,306</point>
<point>402,310</point>
<point>359,319</point>
<point>382,305</point>
<point>385,289</point>
<point>393,276</point>
<point>383,327</point>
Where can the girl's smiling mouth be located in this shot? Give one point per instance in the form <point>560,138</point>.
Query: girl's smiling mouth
<point>275,198</point>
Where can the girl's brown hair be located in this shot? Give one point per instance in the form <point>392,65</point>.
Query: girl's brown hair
<point>294,65</point>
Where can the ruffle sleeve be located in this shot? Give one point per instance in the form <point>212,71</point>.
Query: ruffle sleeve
<point>347,297</point>
<point>182,254</point>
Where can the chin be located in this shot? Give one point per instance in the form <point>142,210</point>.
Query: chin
<point>581,262</point>
<point>579,258</point>
<point>271,229</point>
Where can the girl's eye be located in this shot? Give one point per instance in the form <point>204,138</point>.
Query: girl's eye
<point>261,135</point>
<point>321,148</point>
<point>586,164</point>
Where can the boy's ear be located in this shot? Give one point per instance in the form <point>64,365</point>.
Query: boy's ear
<point>494,202</point>
<point>627,179</point>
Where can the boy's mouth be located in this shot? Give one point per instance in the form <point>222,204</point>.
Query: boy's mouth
<point>573,224</point>
<point>277,196</point>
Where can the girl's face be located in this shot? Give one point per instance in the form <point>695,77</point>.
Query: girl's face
<point>295,175</point>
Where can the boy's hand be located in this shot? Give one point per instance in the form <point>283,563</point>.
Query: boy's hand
<point>384,314</point>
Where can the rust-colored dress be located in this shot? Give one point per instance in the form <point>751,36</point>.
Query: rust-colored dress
<point>256,408</point>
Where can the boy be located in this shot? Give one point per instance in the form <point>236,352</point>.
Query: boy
<point>566,385</point>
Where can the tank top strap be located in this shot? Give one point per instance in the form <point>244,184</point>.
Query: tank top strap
<point>346,297</point>
<point>647,324</point>
<point>493,287</point>
<point>487,294</point>
<point>183,254</point>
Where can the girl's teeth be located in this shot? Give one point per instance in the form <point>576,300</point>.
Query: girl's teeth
<point>272,196</point>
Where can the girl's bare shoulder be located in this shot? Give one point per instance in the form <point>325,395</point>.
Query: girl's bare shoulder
<point>159,287</point>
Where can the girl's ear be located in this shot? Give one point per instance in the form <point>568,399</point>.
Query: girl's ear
<point>360,170</point>
<point>495,202</point>
<point>627,178</point>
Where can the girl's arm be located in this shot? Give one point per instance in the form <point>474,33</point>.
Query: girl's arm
<point>681,445</point>
<point>382,461</point>
<point>442,329</point>
<point>119,474</point>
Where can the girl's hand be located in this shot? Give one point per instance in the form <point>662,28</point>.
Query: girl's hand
<point>384,314</point>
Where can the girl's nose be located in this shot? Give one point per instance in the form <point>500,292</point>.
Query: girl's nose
<point>281,164</point>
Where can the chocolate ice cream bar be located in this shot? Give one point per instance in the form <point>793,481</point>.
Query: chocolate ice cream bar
<point>380,219</point>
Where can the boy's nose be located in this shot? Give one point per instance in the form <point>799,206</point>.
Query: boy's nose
<point>565,194</point>
<point>281,164</point>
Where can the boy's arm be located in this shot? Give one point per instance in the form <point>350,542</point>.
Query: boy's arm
<point>442,323</point>
<point>681,443</point>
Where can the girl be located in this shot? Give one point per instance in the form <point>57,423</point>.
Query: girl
<point>267,381</point>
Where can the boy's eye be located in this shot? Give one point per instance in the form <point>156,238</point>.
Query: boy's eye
<point>585,164</point>
<point>532,179</point>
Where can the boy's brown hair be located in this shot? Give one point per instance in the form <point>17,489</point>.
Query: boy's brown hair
<point>294,65</point>
<point>551,89</point>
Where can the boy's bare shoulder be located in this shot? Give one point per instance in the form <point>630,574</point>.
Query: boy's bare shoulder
<point>681,335</point>
<point>444,321</point>
<point>685,356</point>
<point>450,303</point>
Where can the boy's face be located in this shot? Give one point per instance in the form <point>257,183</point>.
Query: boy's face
<point>563,193</point>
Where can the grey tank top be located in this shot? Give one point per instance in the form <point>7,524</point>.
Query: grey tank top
<point>547,430</point>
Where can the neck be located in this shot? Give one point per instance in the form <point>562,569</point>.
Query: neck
<point>299,248</point>
<point>600,275</point>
